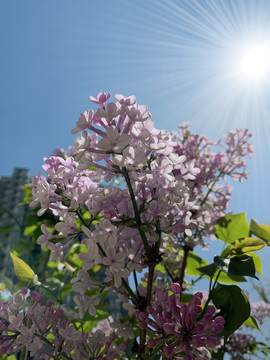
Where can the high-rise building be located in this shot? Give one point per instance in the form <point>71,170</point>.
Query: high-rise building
<point>11,194</point>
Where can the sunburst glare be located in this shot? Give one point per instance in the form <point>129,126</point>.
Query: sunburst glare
<point>254,62</point>
<point>212,59</point>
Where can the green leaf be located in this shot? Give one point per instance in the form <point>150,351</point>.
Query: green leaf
<point>160,267</point>
<point>233,305</point>
<point>65,290</point>
<point>262,231</point>
<point>32,220</point>
<point>185,298</point>
<point>27,195</point>
<point>6,229</point>
<point>232,227</point>
<point>29,230</point>
<point>22,270</point>
<point>211,271</point>
<point>242,265</point>
<point>208,270</point>
<point>2,211</point>
<point>20,248</point>
<point>251,321</point>
<point>193,263</point>
<point>247,244</point>
<point>229,279</point>
<point>226,252</point>
<point>257,262</point>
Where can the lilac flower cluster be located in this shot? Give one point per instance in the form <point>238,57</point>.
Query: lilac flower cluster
<point>240,345</point>
<point>177,327</point>
<point>123,142</point>
<point>47,331</point>
<point>207,191</point>
<point>174,180</point>
<point>260,310</point>
<point>134,195</point>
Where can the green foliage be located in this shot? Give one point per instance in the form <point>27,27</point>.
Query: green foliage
<point>4,230</point>
<point>8,357</point>
<point>245,245</point>
<point>240,265</point>
<point>22,270</point>
<point>257,262</point>
<point>193,263</point>
<point>262,231</point>
<point>232,227</point>
<point>226,278</point>
<point>27,195</point>
<point>251,321</point>
<point>212,272</point>
<point>233,305</point>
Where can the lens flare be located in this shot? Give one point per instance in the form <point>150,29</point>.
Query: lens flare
<point>254,62</point>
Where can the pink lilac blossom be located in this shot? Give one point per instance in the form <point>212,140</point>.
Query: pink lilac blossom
<point>229,161</point>
<point>174,187</point>
<point>169,172</point>
<point>260,310</point>
<point>175,324</point>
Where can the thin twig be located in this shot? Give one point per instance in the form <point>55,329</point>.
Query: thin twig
<point>184,264</point>
<point>137,214</point>
<point>151,268</point>
<point>135,279</point>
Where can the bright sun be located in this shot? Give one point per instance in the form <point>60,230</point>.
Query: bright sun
<point>254,62</point>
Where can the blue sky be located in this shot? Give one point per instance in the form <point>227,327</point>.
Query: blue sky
<point>177,57</point>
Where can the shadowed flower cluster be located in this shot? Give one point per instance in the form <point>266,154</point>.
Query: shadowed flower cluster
<point>182,328</point>
<point>26,320</point>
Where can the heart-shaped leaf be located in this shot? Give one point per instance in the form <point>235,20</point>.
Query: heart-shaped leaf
<point>242,265</point>
<point>232,227</point>
<point>233,305</point>
<point>262,231</point>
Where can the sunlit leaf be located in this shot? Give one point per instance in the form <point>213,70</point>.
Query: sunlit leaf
<point>22,270</point>
<point>193,263</point>
<point>229,278</point>
<point>27,195</point>
<point>257,262</point>
<point>232,227</point>
<point>262,231</point>
<point>251,321</point>
<point>29,230</point>
<point>160,267</point>
<point>247,244</point>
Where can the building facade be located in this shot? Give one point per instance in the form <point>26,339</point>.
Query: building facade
<point>11,221</point>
